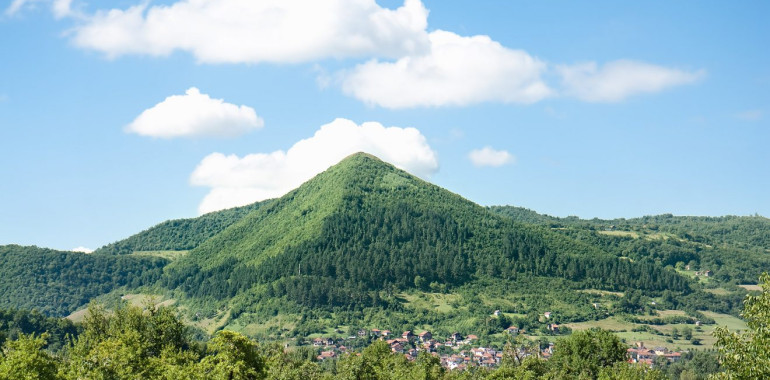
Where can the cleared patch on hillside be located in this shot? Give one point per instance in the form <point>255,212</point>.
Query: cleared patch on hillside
<point>632,234</point>
<point>168,255</point>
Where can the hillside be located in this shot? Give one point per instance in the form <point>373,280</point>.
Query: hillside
<point>363,231</point>
<point>367,244</point>
<point>179,234</point>
<point>735,248</point>
<point>58,282</point>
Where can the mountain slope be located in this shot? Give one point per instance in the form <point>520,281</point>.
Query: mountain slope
<point>57,282</point>
<point>179,234</point>
<point>734,248</point>
<point>365,226</point>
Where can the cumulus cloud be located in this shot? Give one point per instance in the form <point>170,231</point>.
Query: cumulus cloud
<point>195,114</point>
<point>487,156</point>
<point>247,31</point>
<point>618,80</point>
<point>236,181</point>
<point>456,71</point>
<point>82,249</point>
<point>60,8</point>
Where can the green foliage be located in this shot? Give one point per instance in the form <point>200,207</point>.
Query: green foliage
<point>25,359</point>
<point>586,353</point>
<point>745,355</point>
<point>151,343</point>
<point>179,234</point>
<point>627,371</point>
<point>14,323</point>
<point>733,247</point>
<point>57,283</point>
<point>364,227</point>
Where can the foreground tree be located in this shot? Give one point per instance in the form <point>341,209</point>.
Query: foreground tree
<point>25,359</point>
<point>584,354</point>
<point>746,355</point>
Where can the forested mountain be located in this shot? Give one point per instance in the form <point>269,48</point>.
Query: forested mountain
<point>364,243</point>
<point>364,226</point>
<point>179,234</point>
<point>735,248</point>
<point>58,282</point>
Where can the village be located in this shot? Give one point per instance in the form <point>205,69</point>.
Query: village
<point>458,352</point>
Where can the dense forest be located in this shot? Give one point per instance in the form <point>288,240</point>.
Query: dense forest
<point>367,227</point>
<point>179,234</point>
<point>57,282</point>
<point>734,248</point>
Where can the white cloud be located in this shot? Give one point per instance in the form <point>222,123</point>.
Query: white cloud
<point>247,31</point>
<point>618,80</point>
<point>195,114</point>
<point>750,115</point>
<point>236,181</point>
<point>487,156</point>
<point>15,7</point>
<point>62,8</point>
<point>82,249</point>
<point>456,71</point>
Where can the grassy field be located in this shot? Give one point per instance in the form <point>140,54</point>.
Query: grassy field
<point>170,255</point>
<point>752,288</point>
<point>719,291</point>
<point>660,334</point>
<point>430,301</point>
<point>620,233</point>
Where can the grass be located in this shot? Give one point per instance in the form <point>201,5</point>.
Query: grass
<point>752,288</point>
<point>601,292</point>
<point>671,313</point>
<point>170,255</point>
<point>719,291</point>
<point>620,233</point>
<point>430,301</point>
<point>623,329</point>
<point>729,321</point>
<point>611,323</point>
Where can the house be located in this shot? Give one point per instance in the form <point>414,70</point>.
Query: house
<point>407,335</point>
<point>318,342</point>
<point>425,336</point>
<point>327,355</point>
<point>385,333</point>
<point>553,327</point>
<point>456,337</point>
<point>363,333</point>
<point>471,337</point>
<point>547,315</point>
<point>513,330</point>
<point>496,313</point>
<point>375,332</point>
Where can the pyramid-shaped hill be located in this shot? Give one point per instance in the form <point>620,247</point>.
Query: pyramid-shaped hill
<point>364,225</point>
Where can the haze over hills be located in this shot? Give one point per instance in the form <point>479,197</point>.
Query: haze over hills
<point>364,242</point>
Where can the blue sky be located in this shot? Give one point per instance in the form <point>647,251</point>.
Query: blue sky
<point>115,116</point>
